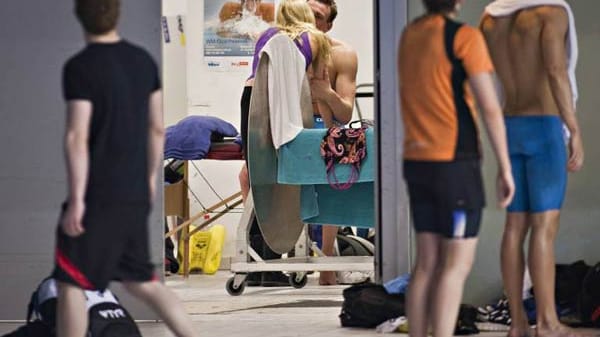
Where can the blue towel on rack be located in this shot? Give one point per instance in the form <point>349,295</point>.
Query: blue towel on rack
<point>300,163</point>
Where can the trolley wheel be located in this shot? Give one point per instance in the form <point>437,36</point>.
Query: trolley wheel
<point>294,282</point>
<point>232,289</point>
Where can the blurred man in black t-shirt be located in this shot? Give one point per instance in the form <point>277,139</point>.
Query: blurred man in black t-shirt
<point>113,146</point>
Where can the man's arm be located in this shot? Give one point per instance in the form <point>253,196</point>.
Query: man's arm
<point>554,55</point>
<point>483,88</point>
<point>156,139</point>
<point>341,100</point>
<point>79,113</point>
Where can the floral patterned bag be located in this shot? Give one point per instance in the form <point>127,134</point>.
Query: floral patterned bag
<point>343,146</point>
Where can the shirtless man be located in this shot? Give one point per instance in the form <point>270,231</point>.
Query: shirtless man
<point>529,52</point>
<point>333,93</point>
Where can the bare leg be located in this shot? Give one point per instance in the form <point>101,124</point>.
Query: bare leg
<point>419,291</point>
<point>456,261</point>
<point>329,235</point>
<point>244,182</point>
<point>513,269</point>
<point>165,303</point>
<point>71,311</point>
<point>544,227</point>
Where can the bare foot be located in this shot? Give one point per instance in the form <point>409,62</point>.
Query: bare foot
<point>520,331</point>
<point>564,331</point>
<point>327,278</point>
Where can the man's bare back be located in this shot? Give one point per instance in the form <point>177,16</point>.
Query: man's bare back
<point>526,54</point>
<point>529,51</point>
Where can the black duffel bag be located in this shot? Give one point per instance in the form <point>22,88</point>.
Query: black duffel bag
<point>367,305</point>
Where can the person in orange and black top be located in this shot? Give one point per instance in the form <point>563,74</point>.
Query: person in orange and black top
<point>442,66</point>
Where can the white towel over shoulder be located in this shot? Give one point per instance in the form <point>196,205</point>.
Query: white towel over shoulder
<point>508,7</point>
<point>286,74</point>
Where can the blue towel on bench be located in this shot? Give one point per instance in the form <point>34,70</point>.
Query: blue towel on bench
<point>191,137</point>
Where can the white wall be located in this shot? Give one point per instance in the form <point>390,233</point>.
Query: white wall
<point>174,7</point>
<point>174,69</point>
<point>218,94</point>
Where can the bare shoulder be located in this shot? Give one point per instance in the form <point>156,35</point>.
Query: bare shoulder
<point>487,23</point>
<point>554,17</point>
<point>342,51</point>
<point>549,11</point>
<point>341,46</point>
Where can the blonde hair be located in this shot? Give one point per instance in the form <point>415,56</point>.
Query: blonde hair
<point>295,17</point>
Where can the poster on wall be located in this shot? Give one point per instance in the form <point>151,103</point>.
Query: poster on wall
<point>231,29</point>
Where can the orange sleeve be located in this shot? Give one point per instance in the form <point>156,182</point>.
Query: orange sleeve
<point>471,48</point>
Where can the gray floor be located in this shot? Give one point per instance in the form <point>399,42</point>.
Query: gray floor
<point>273,312</point>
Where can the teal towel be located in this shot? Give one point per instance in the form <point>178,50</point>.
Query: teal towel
<point>300,163</point>
<point>321,204</point>
<point>300,160</point>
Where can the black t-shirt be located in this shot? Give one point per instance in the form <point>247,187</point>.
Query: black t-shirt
<point>118,79</point>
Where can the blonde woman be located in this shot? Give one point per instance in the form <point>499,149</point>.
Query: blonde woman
<point>295,19</point>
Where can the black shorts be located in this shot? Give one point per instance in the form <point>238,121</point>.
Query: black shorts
<point>114,246</point>
<point>244,116</point>
<point>446,198</point>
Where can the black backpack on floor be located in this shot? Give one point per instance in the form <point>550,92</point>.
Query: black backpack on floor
<point>367,305</point>
<point>569,278</point>
<point>107,318</point>
<point>589,297</point>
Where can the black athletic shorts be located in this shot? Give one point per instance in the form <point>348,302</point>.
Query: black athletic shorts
<point>446,198</point>
<point>114,246</point>
<point>244,116</point>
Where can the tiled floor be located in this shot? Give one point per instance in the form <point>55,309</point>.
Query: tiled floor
<point>266,312</point>
<point>276,312</point>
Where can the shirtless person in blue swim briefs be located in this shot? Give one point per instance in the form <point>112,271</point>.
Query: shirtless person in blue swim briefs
<point>529,51</point>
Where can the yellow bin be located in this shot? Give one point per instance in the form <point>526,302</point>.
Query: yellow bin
<point>205,250</point>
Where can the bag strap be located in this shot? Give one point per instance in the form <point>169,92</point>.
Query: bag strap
<point>34,304</point>
<point>335,184</point>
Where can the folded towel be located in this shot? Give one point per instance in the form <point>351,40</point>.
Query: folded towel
<point>508,7</point>
<point>190,139</point>
<point>286,75</point>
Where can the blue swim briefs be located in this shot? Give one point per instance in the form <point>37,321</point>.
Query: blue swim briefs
<point>539,162</point>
